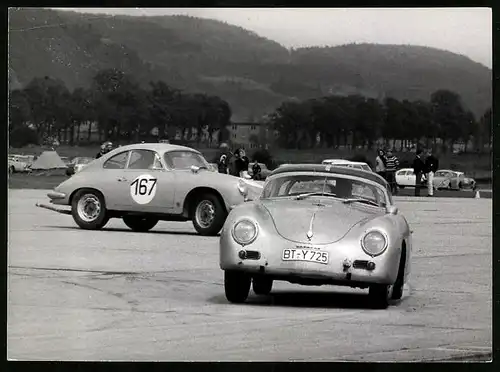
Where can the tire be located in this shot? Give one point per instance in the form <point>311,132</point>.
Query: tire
<point>398,288</point>
<point>262,285</point>
<point>236,286</point>
<point>460,186</point>
<point>140,223</point>
<point>379,295</point>
<point>219,214</point>
<point>12,169</point>
<point>95,221</point>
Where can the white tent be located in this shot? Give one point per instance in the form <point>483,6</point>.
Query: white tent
<point>48,160</point>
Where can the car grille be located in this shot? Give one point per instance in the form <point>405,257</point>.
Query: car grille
<point>252,255</point>
<point>360,264</point>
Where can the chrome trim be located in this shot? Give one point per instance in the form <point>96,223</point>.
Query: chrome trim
<point>56,195</point>
<point>251,240</point>
<point>380,232</point>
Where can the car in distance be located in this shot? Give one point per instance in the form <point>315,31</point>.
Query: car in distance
<point>77,164</point>
<point>313,225</point>
<point>149,182</point>
<point>19,163</point>
<point>347,163</point>
<point>453,180</point>
<point>264,171</point>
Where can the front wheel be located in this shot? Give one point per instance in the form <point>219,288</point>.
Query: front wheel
<point>140,223</point>
<point>209,215</point>
<point>262,285</point>
<point>88,209</point>
<point>379,295</point>
<point>236,286</point>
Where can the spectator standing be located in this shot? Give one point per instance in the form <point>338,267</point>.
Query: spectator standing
<point>222,158</point>
<point>392,163</point>
<point>256,171</point>
<point>380,164</point>
<point>418,169</point>
<point>431,166</point>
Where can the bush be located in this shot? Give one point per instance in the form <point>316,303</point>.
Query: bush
<point>22,136</point>
<point>263,156</point>
<point>361,158</point>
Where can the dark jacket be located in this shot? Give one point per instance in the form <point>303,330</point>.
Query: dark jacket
<point>418,165</point>
<point>240,164</point>
<point>256,169</point>
<point>431,164</point>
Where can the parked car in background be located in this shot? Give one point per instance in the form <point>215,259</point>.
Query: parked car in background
<point>317,225</point>
<point>454,180</point>
<point>264,171</point>
<point>151,182</point>
<point>347,163</point>
<point>77,164</point>
<point>20,163</point>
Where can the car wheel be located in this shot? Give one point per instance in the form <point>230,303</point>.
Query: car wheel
<point>236,286</point>
<point>12,169</point>
<point>209,215</point>
<point>379,295</point>
<point>89,210</point>
<point>140,223</point>
<point>398,288</point>
<point>460,185</point>
<point>262,285</point>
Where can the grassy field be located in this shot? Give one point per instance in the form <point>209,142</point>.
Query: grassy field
<point>474,165</point>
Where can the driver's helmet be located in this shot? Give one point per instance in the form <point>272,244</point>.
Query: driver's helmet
<point>107,147</point>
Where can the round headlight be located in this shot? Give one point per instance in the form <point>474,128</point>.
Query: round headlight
<point>374,243</point>
<point>245,232</point>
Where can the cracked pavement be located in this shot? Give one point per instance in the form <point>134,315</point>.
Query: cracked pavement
<point>159,296</point>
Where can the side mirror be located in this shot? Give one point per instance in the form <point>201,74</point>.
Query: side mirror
<point>194,169</point>
<point>391,209</point>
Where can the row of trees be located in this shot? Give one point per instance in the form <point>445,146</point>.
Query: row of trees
<point>45,108</point>
<point>362,121</point>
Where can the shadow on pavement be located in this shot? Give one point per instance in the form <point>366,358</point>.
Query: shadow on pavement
<point>125,230</point>
<point>312,299</point>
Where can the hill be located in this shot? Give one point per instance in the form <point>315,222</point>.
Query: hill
<point>252,73</point>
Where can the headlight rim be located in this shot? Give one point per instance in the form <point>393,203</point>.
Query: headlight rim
<point>256,226</point>
<point>374,230</point>
<point>242,187</point>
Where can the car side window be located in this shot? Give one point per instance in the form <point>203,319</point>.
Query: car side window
<point>142,159</point>
<point>410,173</point>
<point>118,161</point>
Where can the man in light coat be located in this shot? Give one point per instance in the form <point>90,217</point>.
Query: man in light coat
<point>431,166</point>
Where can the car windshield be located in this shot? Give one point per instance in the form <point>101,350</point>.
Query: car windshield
<point>334,185</point>
<point>185,160</point>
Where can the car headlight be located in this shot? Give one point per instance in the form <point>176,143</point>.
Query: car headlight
<point>374,243</point>
<point>245,232</point>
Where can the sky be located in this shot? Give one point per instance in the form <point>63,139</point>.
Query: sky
<point>466,31</point>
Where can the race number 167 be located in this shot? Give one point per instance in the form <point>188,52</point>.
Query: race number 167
<point>143,186</point>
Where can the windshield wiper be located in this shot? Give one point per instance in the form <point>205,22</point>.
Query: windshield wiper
<point>306,195</point>
<point>360,200</point>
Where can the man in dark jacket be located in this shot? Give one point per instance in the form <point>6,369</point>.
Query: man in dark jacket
<point>418,169</point>
<point>222,158</point>
<point>431,166</point>
<point>256,171</point>
<point>240,163</point>
<point>105,148</point>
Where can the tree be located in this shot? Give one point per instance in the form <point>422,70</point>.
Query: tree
<point>19,110</point>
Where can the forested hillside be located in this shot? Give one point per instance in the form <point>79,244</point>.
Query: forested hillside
<point>254,74</point>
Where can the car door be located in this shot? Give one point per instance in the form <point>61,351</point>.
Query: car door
<point>401,177</point>
<point>110,181</point>
<point>411,179</point>
<point>150,184</point>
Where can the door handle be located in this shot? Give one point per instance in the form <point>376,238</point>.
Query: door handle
<point>121,179</point>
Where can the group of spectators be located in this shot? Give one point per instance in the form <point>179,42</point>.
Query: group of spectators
<point>235,164</point>
<point>386,165</point>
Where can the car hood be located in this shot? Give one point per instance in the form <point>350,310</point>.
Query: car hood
<point>332,219</point>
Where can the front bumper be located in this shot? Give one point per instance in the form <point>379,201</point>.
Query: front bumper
<point>59,198</point>
<point>269,261</point>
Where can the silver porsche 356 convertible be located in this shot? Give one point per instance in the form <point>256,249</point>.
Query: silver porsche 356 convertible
<point>316,225</point>
<point>146,183</point>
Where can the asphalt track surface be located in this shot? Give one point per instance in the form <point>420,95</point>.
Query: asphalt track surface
<point>158,296</point>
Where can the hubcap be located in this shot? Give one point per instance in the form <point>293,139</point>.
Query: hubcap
<point>89,207</point>
<point>205,213</point>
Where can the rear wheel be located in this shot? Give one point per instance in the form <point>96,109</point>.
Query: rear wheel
<point>140,223</point>
<point>236,286</point>
<point>262,285</point>
<point>209,215</point>
<point>88,209</point>
<point>379,295</point>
